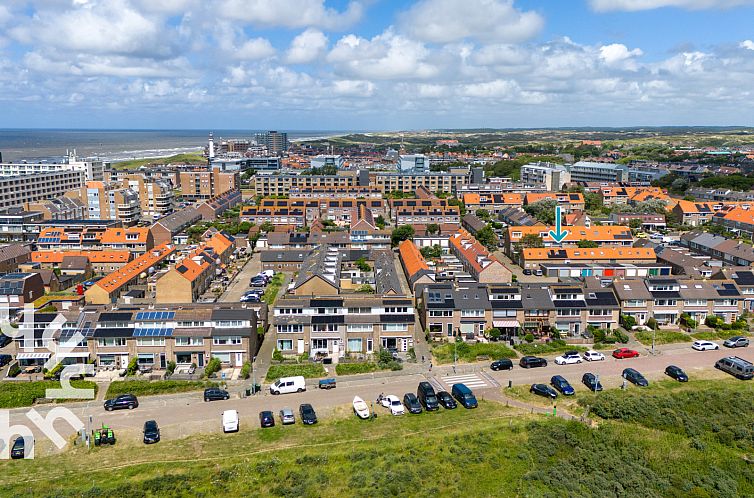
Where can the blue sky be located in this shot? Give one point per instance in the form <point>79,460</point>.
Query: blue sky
<point>375,64</point>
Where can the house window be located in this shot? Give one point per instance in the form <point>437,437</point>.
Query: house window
<point>222,340</point>
<point>394,327</point>
<point>319,343</point>
<point>189,341</point>
<point>285,344</point>
<point>354,345</point>
<point>230,323</point>
<point>150,341</point>
<point>359,327</point>
<point>111,341</point>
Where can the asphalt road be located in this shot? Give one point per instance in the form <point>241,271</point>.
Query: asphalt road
<point>240,284</point>
<point>184,414</point>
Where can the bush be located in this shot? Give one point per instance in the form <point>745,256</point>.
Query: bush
<point>620,336</point>
<point>246,370</point>
<point>308,370</point>
<point>17,394</point>
<point>714,321</point>
<point>132,367</point>
<point>529,338</point>
<point>494,334</point>
<point>212,367</point>
<point>171,367</point>
<point>277,355</point>
<point>14,370</point>
<point>443,353</point>
<point>652,323</point>
<point>150,388</point>
<point>356,368</point>
<point>661,337</point>
<point>556,346</point>
<point>412,354</point>
<point>627,321</point>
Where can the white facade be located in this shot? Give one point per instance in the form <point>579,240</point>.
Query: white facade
<point>94,170</point>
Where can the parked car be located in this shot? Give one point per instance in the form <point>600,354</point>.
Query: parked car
<point>253,298</point>
<point>5,359</point>
<point>504,364</point>
<point>307,414</point>
<point>393,404</point>
<point>446,400</point>
<point>287,385</point>
<point>287,417</point>
<point>676,373</point>
<point>230,421</point>
<point>622,353</point>
<point>266,419</point>
<point>568,358</point>
<point>592,355</point>
<point>426,394</point>
<point>705,345</point>
<point>412,403</point>
<point>4,340</point>
<point>543,390</point>
<point>19,446</point>
<point>736,341</point>
<point>737,367</point>
<point>532,362</point>
<point>215,394</point>
<point>122,402</point>
<point>527,271</point>
<point>634,377</point>
<point>562,385</point>
<point>464,396</point>
<point>329,383</point>
<point>591,381</point>
<point>151,432</point>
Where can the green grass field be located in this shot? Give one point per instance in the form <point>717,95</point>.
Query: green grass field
<point>490,451</point>
<point>18,393</point>
<point>443,353</point>
<point>197,159</point>
<point>308,370</point>
<point>148,388</point>
<point>662,337</point>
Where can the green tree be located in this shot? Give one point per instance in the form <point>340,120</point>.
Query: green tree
<point>212,367</point>
<point>593,201</point>
<point>531,240</point>
<point>434,251</point>
<point>587,244</point>
<point>635,223</point>
<point>486,237</point>
<point>362,264</point>
<point>483,214</point>
<point>267,226</point>
<point>627,321</point>
<point>433,228</point>
<point>453,201</point>
<point>543,211</point>
<point>380,222</point>
<point>401,233</point>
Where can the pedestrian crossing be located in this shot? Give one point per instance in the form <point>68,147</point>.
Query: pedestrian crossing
<point>471,381</point>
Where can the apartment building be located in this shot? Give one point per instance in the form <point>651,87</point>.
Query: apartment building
<point>58,208</point>
<point>614,235</point>
<point>166,228</point>
<point>328,160</point>
<point>340,326</point>
<point>552,176</point>
<point>495,203</point>
<point>267,185</point>
<point>135,239</point>
<point>533,258</point>
<point>568,201</point>
<point>205,184</point>
<point>184,333</point>
<point>276,142</point>
<point>15,191</point>
<point>155,195</point>
<point>353,192</point>
<point>92,170</point>
<point>108,202</point>
<point>409,182</point>
<point>101,261</point>
<point>477,260</point>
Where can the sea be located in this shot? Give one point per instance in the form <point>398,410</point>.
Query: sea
<point>35,145</point>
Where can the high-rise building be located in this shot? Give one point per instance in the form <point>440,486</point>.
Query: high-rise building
<point>155,195</point>
<point>275,141</point>
<point>108,202</point>
<point>206,184</point>
<point>93,170</point>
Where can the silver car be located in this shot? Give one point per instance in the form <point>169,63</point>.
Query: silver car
<point>736,342</point>
<point>287,417</point>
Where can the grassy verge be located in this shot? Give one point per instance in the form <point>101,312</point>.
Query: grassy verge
<point>482,452</point>
<point>308,370</point>
<point>662,337</point>
<point>16,394</point>
<point>356,368</point>
<point>176,159</point>
<point>271,292</point>
<point>443,353</point>
<point>552,347</point>
<point>147,388</point>
<point>718,335</point>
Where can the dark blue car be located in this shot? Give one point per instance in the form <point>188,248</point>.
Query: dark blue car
<point>562,385</point>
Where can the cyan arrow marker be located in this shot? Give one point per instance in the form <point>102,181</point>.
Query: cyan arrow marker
<point>558,235</point>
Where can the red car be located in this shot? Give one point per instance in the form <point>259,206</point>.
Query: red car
<point>625,353</point>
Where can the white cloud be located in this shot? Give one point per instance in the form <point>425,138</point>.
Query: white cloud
<point>290,13</point>
<point>256,48</point>
<point>636,5</point>
<point>306,47</point>
<point>353,88</point>
<point>386,56</point>
<point>442,21</point>
<point>747,44</point>
<point>618,55</point>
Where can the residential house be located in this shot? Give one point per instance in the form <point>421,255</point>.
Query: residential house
<point>17,289</point>
<point>477,260</point>
<point>414,265</point>
<point>568,201</point>
<point>166,228</point>
<point>450,310</point>
<point>534,257</point>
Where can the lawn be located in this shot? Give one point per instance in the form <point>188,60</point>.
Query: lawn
<point>356,368</point>
<point>17,393</point>
<point>308,370</point>
<point>196,159</point>
<point>490,451</point>
<point>718,335</point>
<point>552,347</point>
<point>271,292</point>
<point>149,388</point>
<point>662,337</point>
<point>443,353</point>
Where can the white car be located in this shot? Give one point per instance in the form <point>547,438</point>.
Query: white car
<point>568,358</point>
<point>391,401</point>
<point>230,421</point>
<point>593,355</point>
<point>705,345</point>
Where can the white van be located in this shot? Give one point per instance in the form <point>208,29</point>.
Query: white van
<point>230,421</point>
<point>268,273</point>
<point>287,385</point>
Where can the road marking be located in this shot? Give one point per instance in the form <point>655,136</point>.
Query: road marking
<point>470,380</point>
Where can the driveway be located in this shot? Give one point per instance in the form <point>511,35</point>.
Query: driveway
<point>240,283</point>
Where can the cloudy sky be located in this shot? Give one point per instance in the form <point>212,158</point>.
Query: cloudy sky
<point>375,64</point>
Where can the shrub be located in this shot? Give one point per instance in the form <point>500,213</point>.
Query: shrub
<point>494,334</point>
<point>308,370</point>
<point>171,367</point>
<point>246,370</point>
<point>356,368</point>
<point>556,346</point>
<point>620,336</point>
<point>132,367</point>
<point>150,388</point>
<point>14,370</point>
<point>443,353</point>
<point>627,321</point>
<point>652,323</point>
<point>412,354</point>
<point>277,355</point>
<point>714,321</point>
<point>661,337</point>
<point>529,338</point>
<point>212,367</point>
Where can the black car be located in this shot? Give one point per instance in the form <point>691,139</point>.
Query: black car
<point>543,390</point>
<point>562,385</point>
<point>635,377</point>
<point>411,402</point>
<point>532,362</point>
<point>590,380</point>
<point>5,359</point>
<point>121,402</point>
<point>308,417</point>
<point>504,364</point>
<point>527,272</point>
<point>215,393</point>
<point>427,396</point>
<point>4,340</point>
<point>151,432</point>
<point>266,419</point>
<point>676,373</point>
<point>17,451</point>
<point>446,400</point>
